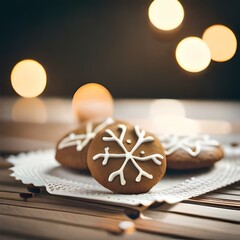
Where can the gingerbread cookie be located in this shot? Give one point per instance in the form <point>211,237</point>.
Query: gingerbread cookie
<point>191,152</point>
<point>72,149</point>
<point>125,159</point>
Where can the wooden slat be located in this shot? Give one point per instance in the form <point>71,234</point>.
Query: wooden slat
<point>201,211</point>
<point>6,179</point>
<point>18,228</point>
<point>13,188</point>
<point>60,201</point>
<point>229,191</point>
<point>9,195</point>
<point>109,224</point>
<point>222,196</point>
<point>236,187</point>
<point>81,209</point>
<point>63,201</point>
<point>12,236</point>
<point>49,230</point>
<point>215,202</point>
<point>186,226</point>
<point>4,164</point>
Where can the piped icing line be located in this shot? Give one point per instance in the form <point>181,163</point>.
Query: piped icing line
<point>128,155</point>
<point>81,140</point>
<point>193,145</point>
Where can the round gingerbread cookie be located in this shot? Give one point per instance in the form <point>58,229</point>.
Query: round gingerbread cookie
<point>71,150</point>
<point>126,159</point>
<point>191,152</point>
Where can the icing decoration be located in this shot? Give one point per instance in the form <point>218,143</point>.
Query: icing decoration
<point>129,141</point>
<point>81,140</point>
<point>128,155</point>
<point>191,144</point>
<point>142,152</point>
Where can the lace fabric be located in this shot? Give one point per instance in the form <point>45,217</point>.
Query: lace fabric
<point>41,169</point>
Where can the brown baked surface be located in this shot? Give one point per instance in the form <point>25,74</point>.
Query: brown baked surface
<point>71,158</point>
<point>101,172</point>
<point>181,160</point>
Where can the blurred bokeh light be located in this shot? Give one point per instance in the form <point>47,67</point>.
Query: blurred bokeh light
<point>168,116</point>
<point>166,14</point>
<point>193,54</point>
<point>28,78</point>
<point>31,110</point>
<point>92,101</point>
<point>221,41</point>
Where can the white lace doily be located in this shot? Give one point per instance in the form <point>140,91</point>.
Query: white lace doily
<point>41,169</point>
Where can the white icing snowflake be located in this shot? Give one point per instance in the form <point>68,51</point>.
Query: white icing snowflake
<point>191,144</point>
<point>128,155</point>
<point>81,140</point>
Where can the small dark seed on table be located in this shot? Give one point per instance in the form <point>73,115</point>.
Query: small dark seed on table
<point>25,195</point>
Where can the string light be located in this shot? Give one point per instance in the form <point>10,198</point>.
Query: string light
<point>221,41</point>
<point>28,78</point>
<point>193,54</point>
<point>166,14</point>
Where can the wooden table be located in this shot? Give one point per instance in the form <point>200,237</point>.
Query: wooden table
<point>30,212</point>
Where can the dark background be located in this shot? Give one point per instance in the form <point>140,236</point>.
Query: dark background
<point>112,43</point>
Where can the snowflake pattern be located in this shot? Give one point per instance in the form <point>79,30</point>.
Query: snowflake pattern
<point>191,144</point>
<point>128,155</point>
<point>81,140</point>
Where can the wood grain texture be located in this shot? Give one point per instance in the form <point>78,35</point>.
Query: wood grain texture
<point>186,226</point>
<point>229,191</point>
<point>44,229</point>
<point>27,228</point>
<point>228,204</point>
<point>223,196</point>
<point>81,209</point>
<point>77,219</point>
<point>43,216</point>
<point>221,214</point>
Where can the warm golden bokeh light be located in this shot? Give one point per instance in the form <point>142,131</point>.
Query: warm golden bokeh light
<point>221,41</point>
<point>166,14</point>
<point>168,116</point>
<point>92,101</point>
<point>193,54</point>
<point>29,110</point>
<point>28,78</point>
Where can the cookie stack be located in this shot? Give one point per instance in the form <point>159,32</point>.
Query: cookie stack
<point>126,159</point>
